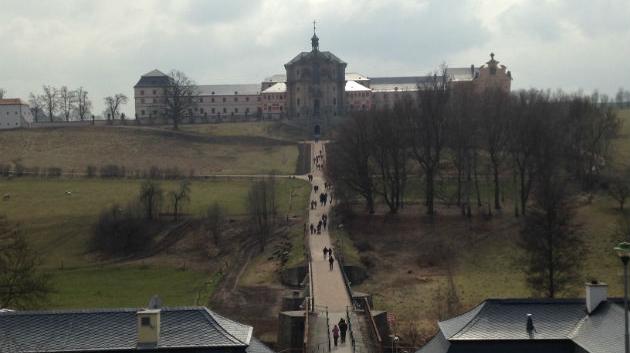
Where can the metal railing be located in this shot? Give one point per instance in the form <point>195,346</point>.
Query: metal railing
<point>350,330</point>
<point>377,335</point>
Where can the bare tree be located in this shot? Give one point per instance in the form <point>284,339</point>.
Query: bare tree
<point>180,97</point>
<point>391,153</point>
<point>262,209</point>
<point>215,218</point>
<point>113,105</point>
<point>67,101</point>
<point>84,105</point>
<point>179,197</point>
<point>591,128</point>
<point>529,111</point>
<point>2,93</point>
<point>37,106</point>
<point>462,139</point>
<point>349,161</point>
<point>619,188</point>
<point>150,199</point>
<point>22,285</point>
<point>495,134</point>
<point>552,242</point>
<point>427,128</point>
<point>50,99</point>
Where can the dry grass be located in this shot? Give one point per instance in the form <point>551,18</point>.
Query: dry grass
<point>73,149</point>
<point>412,258</point>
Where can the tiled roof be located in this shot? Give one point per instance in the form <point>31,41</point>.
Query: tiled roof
<point>506,319</point>
<point>154,78</point>
<point>391,84</point>
<point>229,90</point>
<point>502,323</point>
<point>115,329</point>
<point>309,55</point>
<point>11,101</point>
<point>603,331</point>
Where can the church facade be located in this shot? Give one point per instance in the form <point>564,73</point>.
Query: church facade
<point>314,89</point>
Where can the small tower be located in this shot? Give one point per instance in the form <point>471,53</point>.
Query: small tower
<point>315,39</point>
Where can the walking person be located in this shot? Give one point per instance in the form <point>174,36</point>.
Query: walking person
<point>331,260</point>
<point>343,327</point>
<point>325,252</point>
<point>335,332</point>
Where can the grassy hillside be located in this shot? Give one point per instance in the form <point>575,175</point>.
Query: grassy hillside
<point>140,148</point>
<point>269,129</point>
<point>59,227</point>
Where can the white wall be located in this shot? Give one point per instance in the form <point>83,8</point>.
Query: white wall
<point>15,116</point>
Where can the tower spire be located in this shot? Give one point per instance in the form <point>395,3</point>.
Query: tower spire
<point>315,39</point>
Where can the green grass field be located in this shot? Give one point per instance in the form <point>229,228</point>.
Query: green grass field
<point>59,226</point>
<point>129,287</point>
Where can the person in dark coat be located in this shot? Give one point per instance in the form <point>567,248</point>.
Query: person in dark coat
<point>343,327</point>
<point>331,260</point>
<point>325,252</point>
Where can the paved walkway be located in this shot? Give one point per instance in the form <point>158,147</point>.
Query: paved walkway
<point>329,288</point>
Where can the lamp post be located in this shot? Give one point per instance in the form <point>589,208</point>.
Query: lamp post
<point>623,251</point>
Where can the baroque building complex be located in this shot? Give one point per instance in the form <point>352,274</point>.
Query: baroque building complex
<point>313,91</point>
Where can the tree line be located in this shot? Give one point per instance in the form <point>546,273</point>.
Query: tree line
<point>449,132</point>
<point>62,103</point>
<point>548,145</point>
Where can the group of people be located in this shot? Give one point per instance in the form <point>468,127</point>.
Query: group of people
<point>340,330</point>
<point>319,160</point>
<point>317,229</point>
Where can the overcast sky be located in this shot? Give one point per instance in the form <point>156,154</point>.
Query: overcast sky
<point>105,46</point>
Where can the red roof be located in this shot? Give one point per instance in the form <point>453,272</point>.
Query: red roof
<point>11,101</point>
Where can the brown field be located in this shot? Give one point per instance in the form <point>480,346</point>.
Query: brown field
<point>138,149</point>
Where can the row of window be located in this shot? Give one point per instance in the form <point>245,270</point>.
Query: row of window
<point>142,92</point>
<point>274,97</point>
<point>358,94</point>
<point>201,100</point>
<point>199,110</point>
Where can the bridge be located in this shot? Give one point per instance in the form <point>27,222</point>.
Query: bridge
<point>329,296</point>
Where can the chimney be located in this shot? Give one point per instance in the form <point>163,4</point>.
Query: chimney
<point>148,328</point>
<point>596,293</point>
<point>472,70</point>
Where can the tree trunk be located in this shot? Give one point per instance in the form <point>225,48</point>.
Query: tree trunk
<point>497,187</point>
<point>430,192</point>
<point>476,177</point>
<point>370,202</point>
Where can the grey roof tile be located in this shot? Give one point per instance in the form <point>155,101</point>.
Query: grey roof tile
<point>115,329</point>
<point>506,320</point>
<point>310,55</point>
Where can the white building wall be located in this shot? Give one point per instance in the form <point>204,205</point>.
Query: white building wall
<point>14,116</point>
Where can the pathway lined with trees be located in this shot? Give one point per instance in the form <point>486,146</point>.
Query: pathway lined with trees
<point>329,289</point>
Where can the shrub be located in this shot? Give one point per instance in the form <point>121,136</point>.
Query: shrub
<point>5,170</point>
<point>53,172</point>
<point>363,246</point>
<point>112,171</point>
<point>120,231</point>
<point>367,261</point>
<point>90,171</point>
